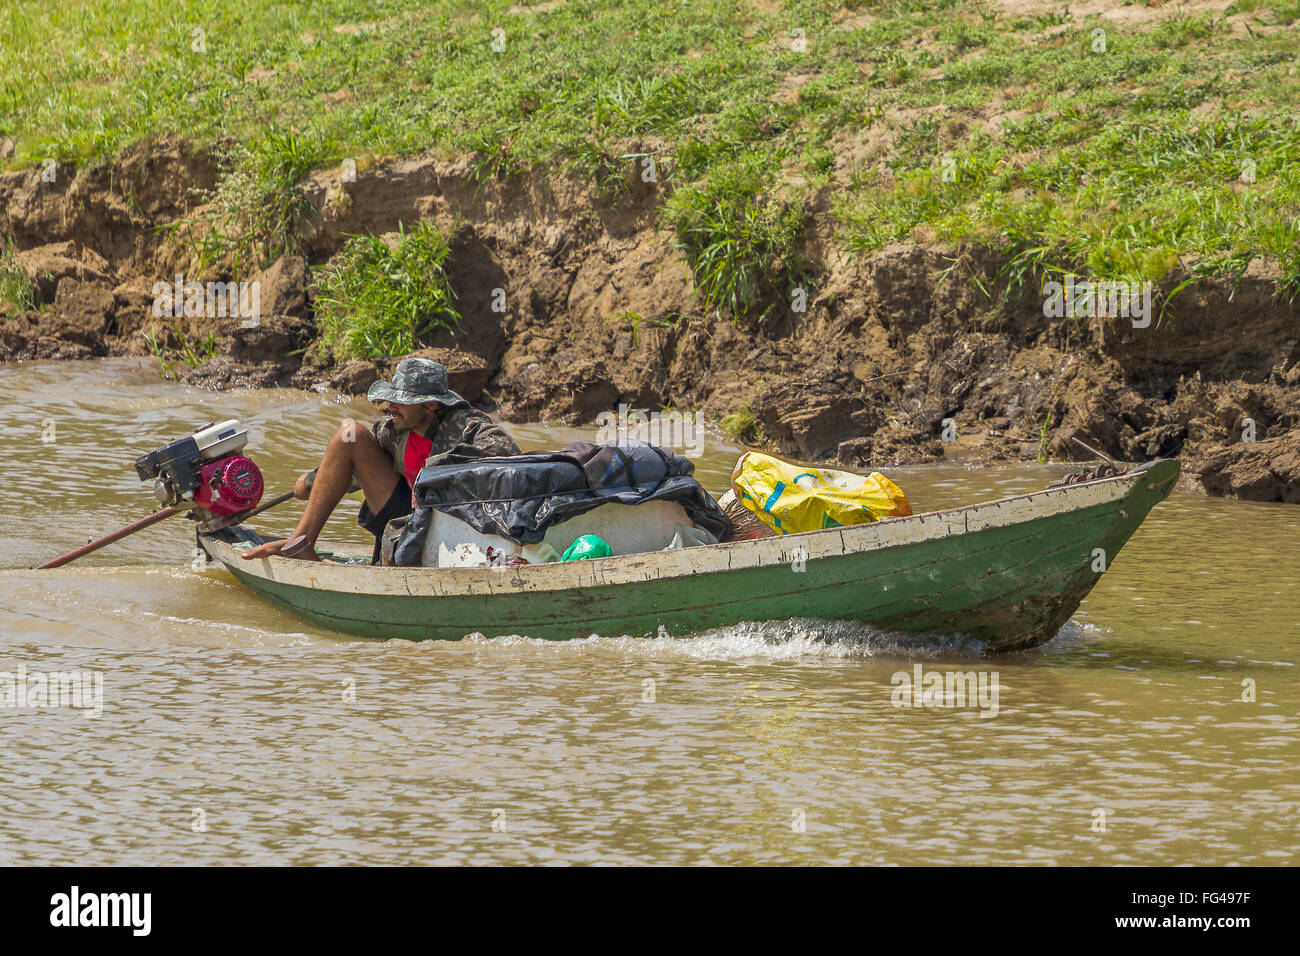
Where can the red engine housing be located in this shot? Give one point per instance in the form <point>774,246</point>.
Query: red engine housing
<point>228,486</point>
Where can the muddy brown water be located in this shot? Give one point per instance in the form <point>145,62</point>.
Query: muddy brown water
<point>231,732</point>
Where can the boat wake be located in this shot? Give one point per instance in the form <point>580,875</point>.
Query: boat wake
<point>790,639</point>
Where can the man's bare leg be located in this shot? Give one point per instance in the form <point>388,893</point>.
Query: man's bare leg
<point>352,448</point>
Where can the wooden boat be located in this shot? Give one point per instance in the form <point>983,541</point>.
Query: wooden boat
<point>1007,573</point>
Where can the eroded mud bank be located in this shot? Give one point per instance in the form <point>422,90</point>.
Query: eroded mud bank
<point>894,352</point>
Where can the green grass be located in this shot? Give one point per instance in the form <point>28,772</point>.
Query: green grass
<point>261,203</point>
<point>374,300</point>
<point>259,208</point>
<point>16,293</point>
<point>635,320</point>
<point>1042,440</point>
<point>169,356</point>
<point>1286,12</point>
<point>740,240</point>
<point>1108,171</point>
<point>1115,163</point>
<point>741,425</point>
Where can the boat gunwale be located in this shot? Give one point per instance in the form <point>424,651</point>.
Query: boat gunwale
<point>422,582</point>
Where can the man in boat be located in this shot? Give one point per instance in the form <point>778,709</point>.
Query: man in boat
<point>427,424</point>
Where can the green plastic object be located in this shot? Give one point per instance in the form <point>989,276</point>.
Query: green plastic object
<point>588,546</point>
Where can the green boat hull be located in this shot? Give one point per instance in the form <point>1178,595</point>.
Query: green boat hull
<point>1007,574</point>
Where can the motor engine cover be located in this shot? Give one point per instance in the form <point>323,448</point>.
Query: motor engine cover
<point>229,486</point>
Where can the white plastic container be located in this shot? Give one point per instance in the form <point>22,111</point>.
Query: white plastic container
<point>628,529</point>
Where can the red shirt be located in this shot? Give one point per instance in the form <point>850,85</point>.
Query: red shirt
<point>417,452</point>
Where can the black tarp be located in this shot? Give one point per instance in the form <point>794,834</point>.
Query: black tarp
<point>521,496</point>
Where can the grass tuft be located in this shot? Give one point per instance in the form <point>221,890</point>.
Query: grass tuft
<point>740,240</point>
<point>170,355</point>
<point>16,290</point>
<point>375,300</point>
<point>741,425</point>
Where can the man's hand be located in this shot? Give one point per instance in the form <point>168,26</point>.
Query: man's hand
<point>273,548</point>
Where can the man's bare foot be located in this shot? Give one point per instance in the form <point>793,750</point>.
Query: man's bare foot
<point>295,547</point>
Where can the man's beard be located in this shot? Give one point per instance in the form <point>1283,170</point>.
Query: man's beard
<point>402,424</point>
<point>406,423</point>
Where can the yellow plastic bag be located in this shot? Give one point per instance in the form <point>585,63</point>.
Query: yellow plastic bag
<point>791,498</point>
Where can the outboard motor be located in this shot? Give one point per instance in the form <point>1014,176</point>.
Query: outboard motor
<point>205,468</point>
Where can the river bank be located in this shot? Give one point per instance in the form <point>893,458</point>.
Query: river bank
<point>574,302</point>
<point>829,229</point>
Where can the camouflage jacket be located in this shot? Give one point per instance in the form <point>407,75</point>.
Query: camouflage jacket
<point>460,434</point>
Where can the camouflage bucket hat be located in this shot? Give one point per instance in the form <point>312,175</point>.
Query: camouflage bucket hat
<point>416,381</point>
